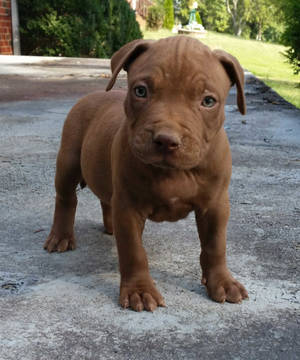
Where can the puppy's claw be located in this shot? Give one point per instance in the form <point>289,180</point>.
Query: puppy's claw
<point>124,303</point>
<point>162,303</point>
<point>60,244</point>
<point>139,299</point>
<point>226,289</point>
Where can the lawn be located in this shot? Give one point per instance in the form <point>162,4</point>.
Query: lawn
<point>264,60</point>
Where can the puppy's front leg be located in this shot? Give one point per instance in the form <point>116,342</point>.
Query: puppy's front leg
<point>220,284</point>
<point>137,289</point>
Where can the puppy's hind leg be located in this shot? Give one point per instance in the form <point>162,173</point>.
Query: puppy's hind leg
<point>68,176</point>
<point>107,218</point>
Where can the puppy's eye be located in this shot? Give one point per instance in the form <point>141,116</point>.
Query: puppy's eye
<point>208,102</point>
<point>140,91</point>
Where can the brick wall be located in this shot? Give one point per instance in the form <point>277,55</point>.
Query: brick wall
<point>6,47</point>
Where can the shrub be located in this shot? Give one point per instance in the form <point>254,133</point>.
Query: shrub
<point>123,25</point>
<point>291,37</point>
<point>155,17</point>
<point>75,28</point>
<point>198,18</point>
<point>169,14</point>
<point>214,15</point>
<point>182,11</point>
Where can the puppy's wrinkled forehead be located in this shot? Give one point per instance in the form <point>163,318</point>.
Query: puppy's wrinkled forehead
<point>176,61</point>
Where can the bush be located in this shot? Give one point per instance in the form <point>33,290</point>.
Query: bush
<point>291,37</point>
<point>198,18</point>
<point>182,11</point>
<point>155,17</point>
<point>123,25</point>
<point>273,33</point>
<point>169,14</point>
<point>214,15</point>
<point>75,28</point>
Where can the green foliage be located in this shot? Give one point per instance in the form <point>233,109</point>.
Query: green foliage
<point>182,11</point>
<point>123,25</point>
<point>214,15</point>
<point>255,19</point>
<point>291,35</point>
<point>250,19</point>
<point>76,28</point>
<point>198,18</point>
<point>273,32</point>
<point>239,11</point>
<point>155,17</point>
<point>261,16</point>
<point>169,14</point>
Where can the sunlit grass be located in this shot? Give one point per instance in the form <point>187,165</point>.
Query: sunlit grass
<point>264,60</point>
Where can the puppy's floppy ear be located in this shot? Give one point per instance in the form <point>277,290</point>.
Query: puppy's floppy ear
<point>236,75</point>
<point>125,56</point>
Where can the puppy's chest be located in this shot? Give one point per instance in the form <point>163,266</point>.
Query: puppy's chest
<point>172,210</point>
<point>172,200</point>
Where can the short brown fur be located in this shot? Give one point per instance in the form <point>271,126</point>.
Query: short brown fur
<point>158,156</point>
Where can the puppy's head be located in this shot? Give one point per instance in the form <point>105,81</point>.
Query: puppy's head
<point>177,88</point>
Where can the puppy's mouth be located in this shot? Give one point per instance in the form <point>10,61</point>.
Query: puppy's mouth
<point>165,164</point>
<point>167,160</point>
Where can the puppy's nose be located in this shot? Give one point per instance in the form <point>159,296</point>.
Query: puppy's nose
<point>166,142</point>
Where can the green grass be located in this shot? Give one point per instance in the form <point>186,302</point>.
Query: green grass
<point>264,60</point>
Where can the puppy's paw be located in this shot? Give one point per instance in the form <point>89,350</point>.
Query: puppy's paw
<point>223,288</point>
<point>140,297</point>
<point>59,243</point>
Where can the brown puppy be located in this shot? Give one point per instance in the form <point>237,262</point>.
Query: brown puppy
<point>157,151</point>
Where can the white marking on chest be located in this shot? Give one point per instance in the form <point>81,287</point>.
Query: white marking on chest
<point>174,200</point>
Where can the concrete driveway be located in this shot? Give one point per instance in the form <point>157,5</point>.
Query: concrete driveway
<point>65,306</point>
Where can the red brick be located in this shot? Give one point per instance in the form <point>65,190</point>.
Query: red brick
<point>5,42</point>
<point>4,47</point>
<point>6,51</point>
<point>5,30</point>
<point>6,4</point>
<point>5,19</point>
<point>5,12</point>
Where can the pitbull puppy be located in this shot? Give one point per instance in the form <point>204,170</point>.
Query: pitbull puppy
<point>158,152</point>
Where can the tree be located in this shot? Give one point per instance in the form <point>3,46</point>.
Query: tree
<point>214,15</point>
<point>262,13</point>
<point>198,18</point>
<point>155,17</point>
<point>239,12</point>
<point>123,25</point>
<point>291,35</point>
<point>169,14</point>
<point>182,10</point>
<point>75,27</point>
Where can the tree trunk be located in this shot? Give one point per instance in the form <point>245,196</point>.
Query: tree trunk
<point>236,18</point>
<point>238,27</point>
<point>259,33</point>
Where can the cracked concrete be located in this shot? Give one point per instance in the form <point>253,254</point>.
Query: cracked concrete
<point>65,306</point>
